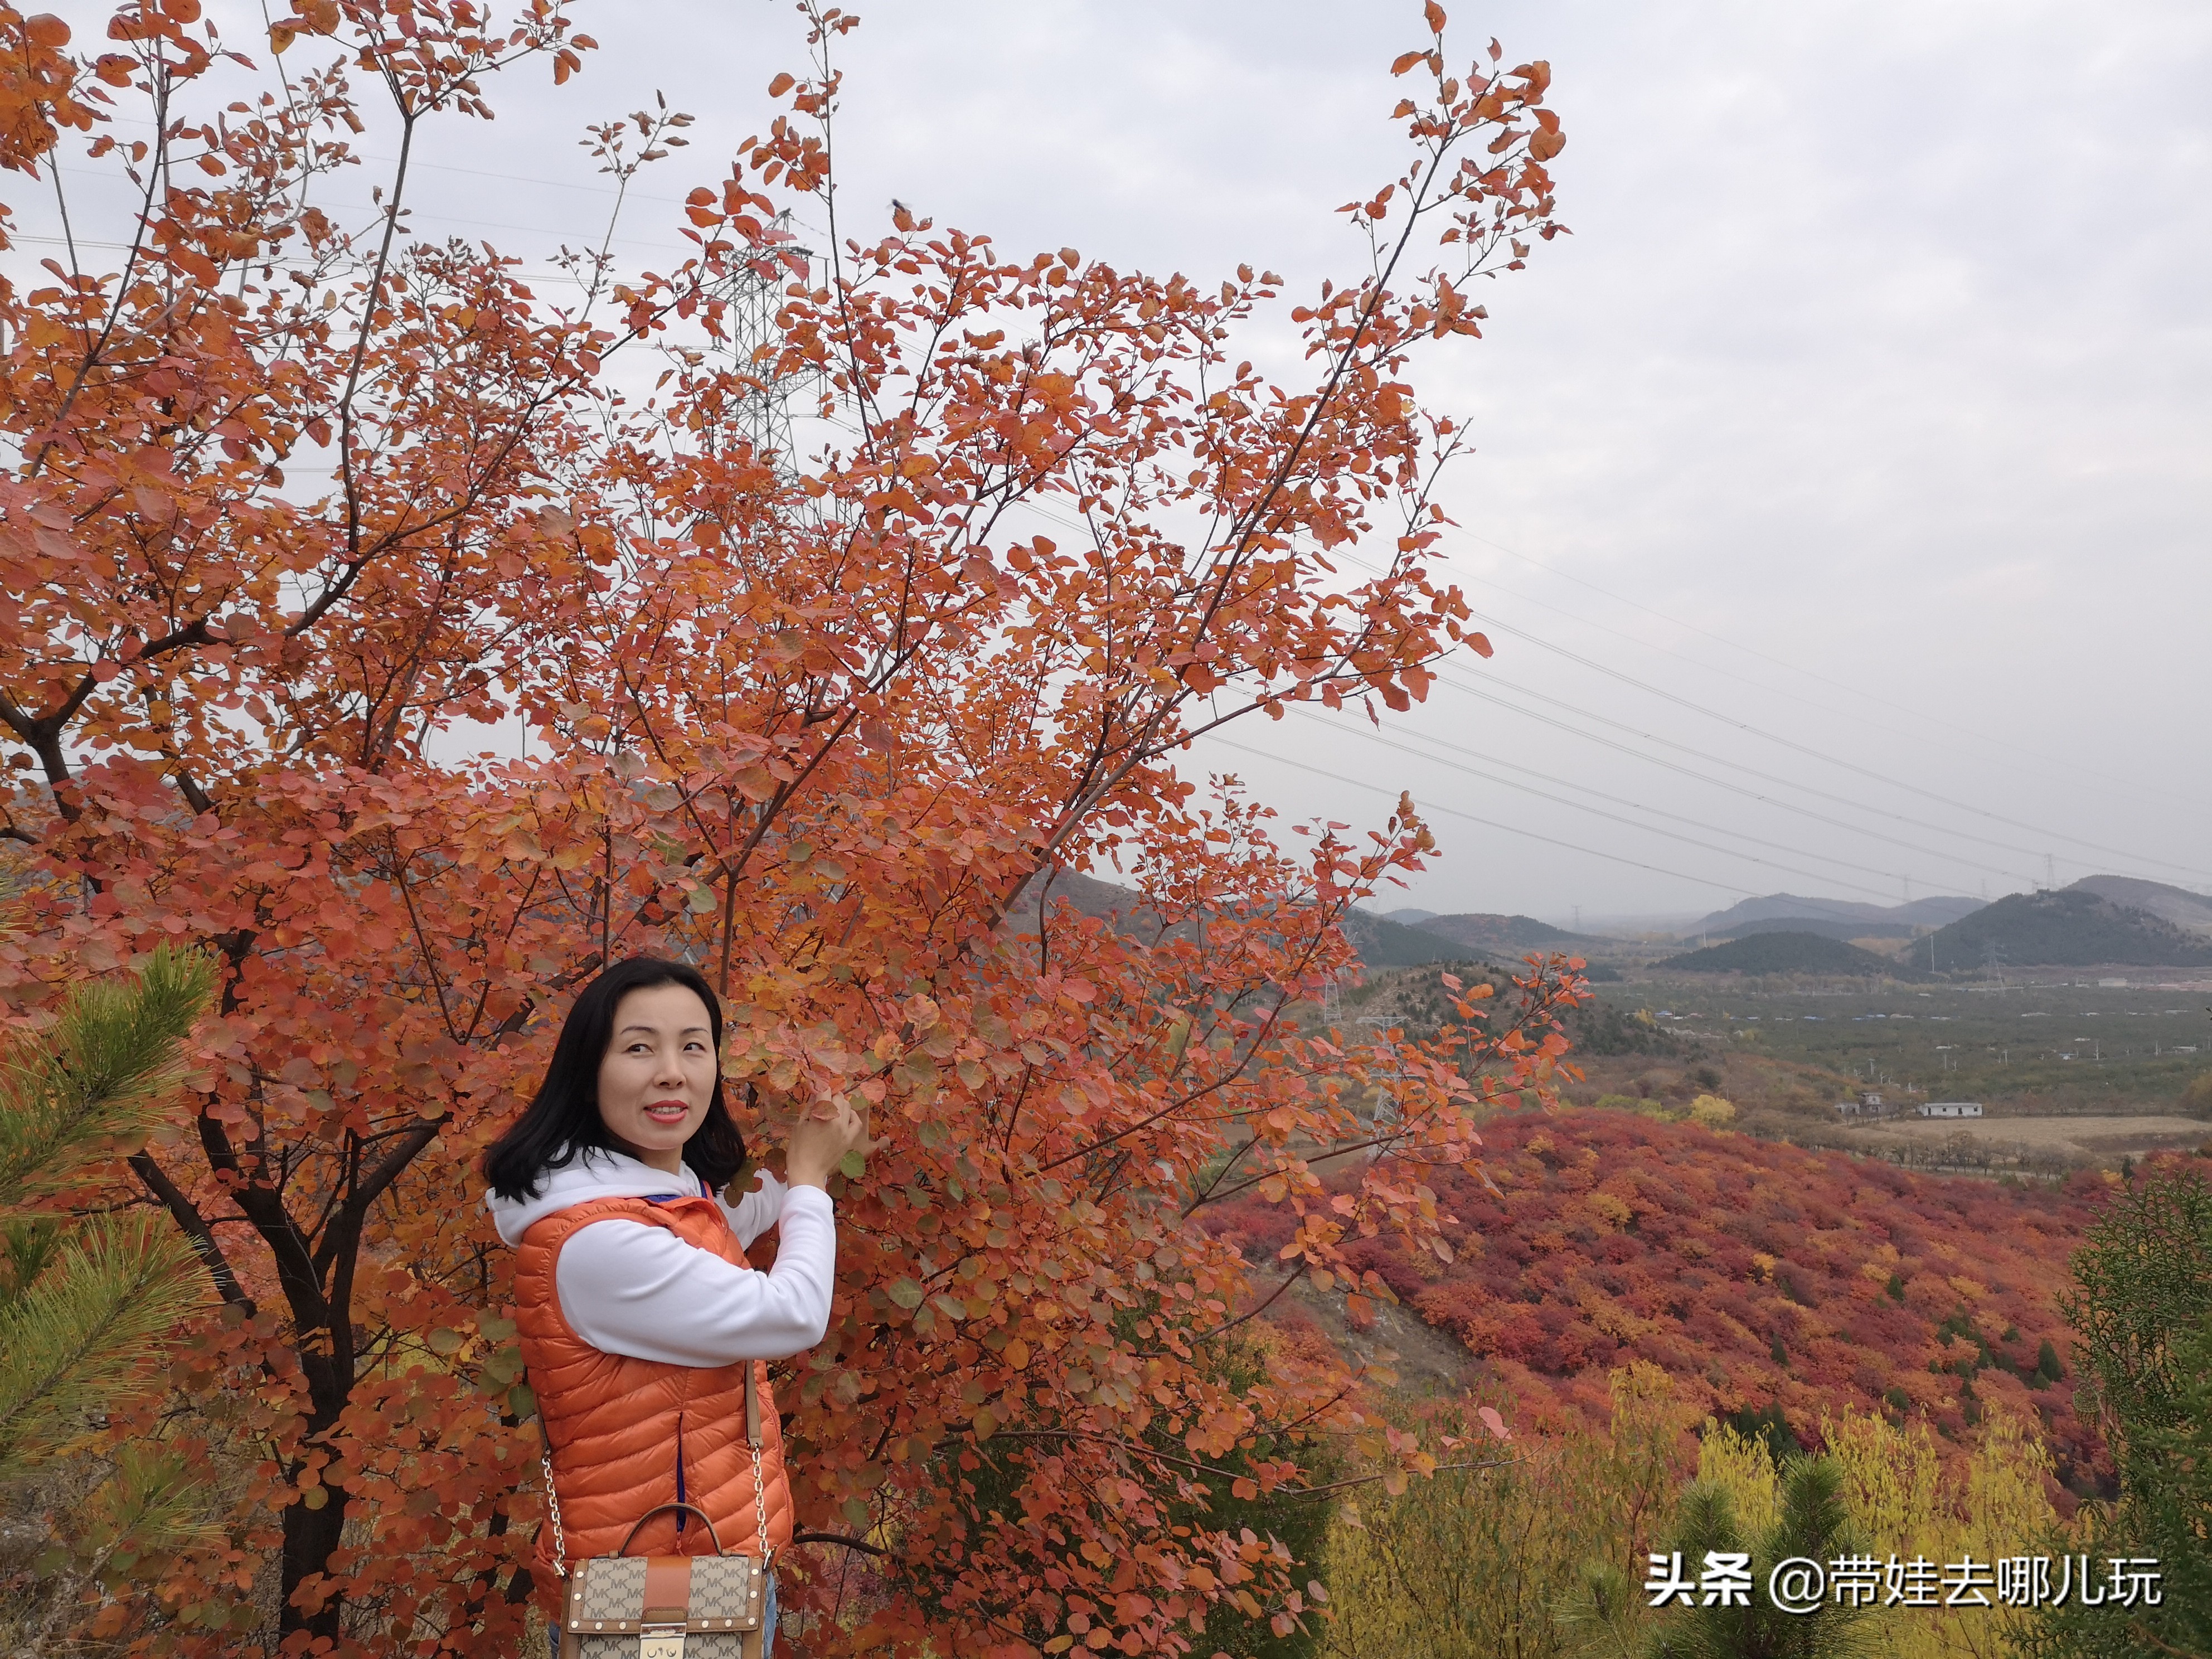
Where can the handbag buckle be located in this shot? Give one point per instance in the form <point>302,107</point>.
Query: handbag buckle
<point>660,1642</point>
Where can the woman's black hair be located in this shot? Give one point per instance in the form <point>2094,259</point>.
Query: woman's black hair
<point>562,1119</point>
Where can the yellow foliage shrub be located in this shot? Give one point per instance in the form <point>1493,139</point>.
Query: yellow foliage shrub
<point>1490,1561</point>
<point>1712,1111</point>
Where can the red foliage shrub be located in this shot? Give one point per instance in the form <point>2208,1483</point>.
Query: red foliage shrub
<point>1615,1236</point>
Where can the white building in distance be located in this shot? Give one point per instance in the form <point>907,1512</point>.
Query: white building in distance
<point>1952,1108</point>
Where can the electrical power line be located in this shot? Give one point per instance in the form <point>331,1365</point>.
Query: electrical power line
<point>1638,806</point>
<point>1487,824</point>
<point>1598,811</point>
<point>2132,785</point>
<point>1752,771</point>
<point>1646,687</point>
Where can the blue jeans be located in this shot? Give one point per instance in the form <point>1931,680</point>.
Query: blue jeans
<point>767,1626</point>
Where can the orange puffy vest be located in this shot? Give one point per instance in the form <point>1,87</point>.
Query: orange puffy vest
<point>628,1434</point>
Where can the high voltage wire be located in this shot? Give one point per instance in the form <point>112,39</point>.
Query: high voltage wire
<point>1657,691</point>
<point>1833,760</point>
<point>1487,824</point>
<point>1568,783</point>
<point>1648,829</point>
<point>1752,794</point>
<point>2133,786</point>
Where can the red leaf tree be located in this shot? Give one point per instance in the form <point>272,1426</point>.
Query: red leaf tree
<point>294,501</point>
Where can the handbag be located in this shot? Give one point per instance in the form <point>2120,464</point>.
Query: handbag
<point>666,1607</point>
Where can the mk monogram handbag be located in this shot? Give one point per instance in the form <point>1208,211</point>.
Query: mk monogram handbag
<point>666,1607</point>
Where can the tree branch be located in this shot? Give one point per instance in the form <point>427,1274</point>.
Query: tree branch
<point>194,1226</point>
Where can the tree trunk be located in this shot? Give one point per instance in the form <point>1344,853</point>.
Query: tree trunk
<point>310,1538</point>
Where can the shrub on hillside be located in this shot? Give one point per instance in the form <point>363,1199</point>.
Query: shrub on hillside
<point>1496,1561</point>
<point>1612,1236</point>
<point>2197,1098</point>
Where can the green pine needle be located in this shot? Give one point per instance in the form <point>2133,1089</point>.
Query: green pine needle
<point>97,1083</point>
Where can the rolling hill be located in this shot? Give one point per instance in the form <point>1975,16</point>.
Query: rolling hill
<point>1932,912</point>
<point>2075,927</point>
<point>1825,929</point>
<point>1786,953</point>
<point>1484,934</point>
<point>2192,912</point>
<point>1383,943</point>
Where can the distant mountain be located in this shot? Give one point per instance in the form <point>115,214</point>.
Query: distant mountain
<point>1935,910</point>
<point>1381,942</point>
<point>1786,953</point>
<point>1123,906</point>
<point>1408,915</point>
<point>1844,930</point>
<point>2072,928</point>
<point>1925,912</point>
<point>1483,934</point>
<point>2185,909</point>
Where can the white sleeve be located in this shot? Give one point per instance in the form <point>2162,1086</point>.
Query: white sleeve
<point>758,1210</point>
<point>629,1288</point>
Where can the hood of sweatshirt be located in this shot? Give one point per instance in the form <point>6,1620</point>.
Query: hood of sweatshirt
<point>593,1174</point>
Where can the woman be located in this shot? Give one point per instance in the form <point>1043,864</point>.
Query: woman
<point>642,1325</point>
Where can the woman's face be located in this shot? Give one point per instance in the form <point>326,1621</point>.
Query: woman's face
<point>657,1073</point>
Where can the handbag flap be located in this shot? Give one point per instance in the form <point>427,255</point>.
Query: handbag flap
<point>698,1594</point>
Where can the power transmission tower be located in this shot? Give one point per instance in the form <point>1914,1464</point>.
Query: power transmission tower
<point>762,415</point>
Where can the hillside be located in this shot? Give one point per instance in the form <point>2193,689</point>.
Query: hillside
<point>2072,928</point>
<point>1484,934</point>
<point>1842,930</point>
<point>1383,943</point>
<point>1754,1271</point>
<point>2185,909</point>
<point>1932,912</point>
<point>1785,953</point>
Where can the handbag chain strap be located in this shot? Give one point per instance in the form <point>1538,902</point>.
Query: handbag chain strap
<point>553,1511</point>
<point>760,1481</point>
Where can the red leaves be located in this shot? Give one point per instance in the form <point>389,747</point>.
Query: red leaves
<point>787,715</point>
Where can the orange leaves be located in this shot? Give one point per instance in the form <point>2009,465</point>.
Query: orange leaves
<point>552,675</point>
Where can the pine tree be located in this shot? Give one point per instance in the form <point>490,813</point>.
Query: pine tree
<point>2144,1310</point>
<point>1810,1521</point>
<point>85,1300</point>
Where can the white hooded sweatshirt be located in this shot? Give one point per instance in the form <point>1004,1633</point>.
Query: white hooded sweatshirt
<point>630,1289</point>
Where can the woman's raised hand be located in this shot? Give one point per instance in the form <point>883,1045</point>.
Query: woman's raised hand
<point>819,1139</point>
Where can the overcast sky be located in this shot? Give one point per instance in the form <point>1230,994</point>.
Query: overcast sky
<point>1866,406</point>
